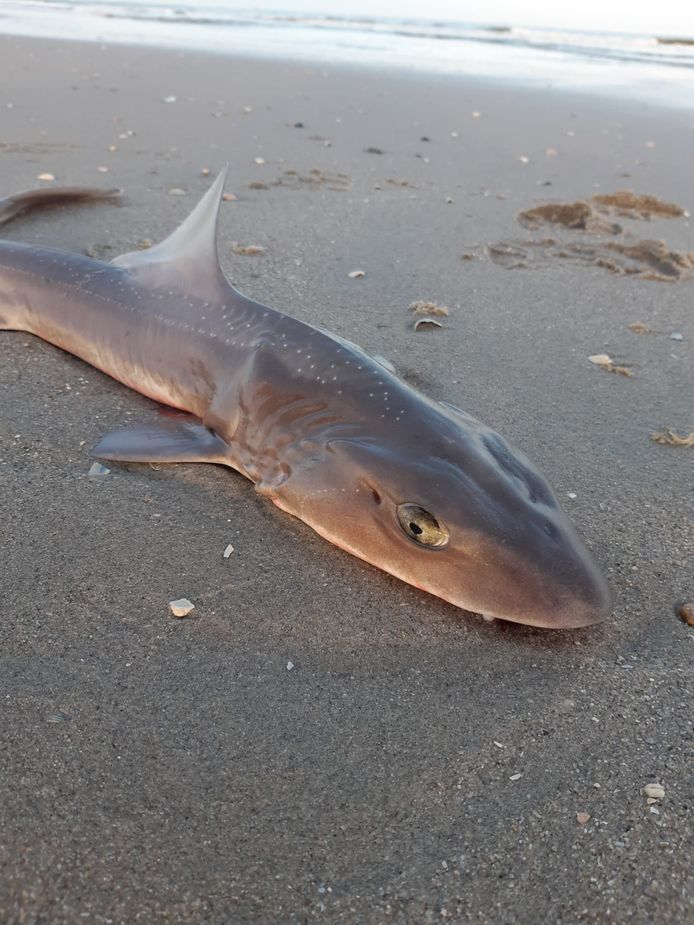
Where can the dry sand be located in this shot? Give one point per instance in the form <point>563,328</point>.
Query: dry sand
<point>415,764</point>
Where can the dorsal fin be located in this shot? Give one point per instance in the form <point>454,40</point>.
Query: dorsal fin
<point>187,259</point>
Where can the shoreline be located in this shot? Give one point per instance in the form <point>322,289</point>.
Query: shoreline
<point>637,74</point>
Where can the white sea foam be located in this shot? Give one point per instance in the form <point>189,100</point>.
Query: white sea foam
<point>643,66</point>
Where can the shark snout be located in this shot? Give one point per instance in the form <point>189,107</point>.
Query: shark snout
<point>550,581</point>
<point>568,588</point>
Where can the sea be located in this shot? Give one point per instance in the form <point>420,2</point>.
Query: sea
<point>653,68</point>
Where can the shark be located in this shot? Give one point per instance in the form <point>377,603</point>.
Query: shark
<point>327,432</point>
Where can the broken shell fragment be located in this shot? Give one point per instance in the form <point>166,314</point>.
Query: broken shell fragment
<point>672,438</point>
<point>427,323</point>
<point>181,608</point>
<point>604,361</point>
<point>96,471</point>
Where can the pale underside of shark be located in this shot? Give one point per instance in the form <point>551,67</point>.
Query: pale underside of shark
<point>330,434</point>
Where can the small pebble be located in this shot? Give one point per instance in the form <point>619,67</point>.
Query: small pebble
<point>686,613</point>
<point>45,176</point>
<point>181,608</point>
<point>169,99</point>
<point>515,777</point>
<point>290,665</point>
<point>96,470</point>
<point>228,551</point>
<point>571,495</point>
<point>205,171</point>
<point>654,791</point>
<point>229,197</point>
<point>102,169</point>
<point>259,160</point>
<point>248,109</point>
<point>676,336</point>
<point>582,818</point>
<point>356,274</point>
<point>524,159</point>
<point>249,250</point>
<point>177,191</point>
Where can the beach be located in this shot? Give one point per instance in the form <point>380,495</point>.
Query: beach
<point>414,764</point>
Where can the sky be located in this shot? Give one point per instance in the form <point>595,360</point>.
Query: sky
<point>667,17</point>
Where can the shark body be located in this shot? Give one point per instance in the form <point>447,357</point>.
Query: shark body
<point>330,434</point>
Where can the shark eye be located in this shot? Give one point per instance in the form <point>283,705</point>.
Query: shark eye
<point>421,526</point>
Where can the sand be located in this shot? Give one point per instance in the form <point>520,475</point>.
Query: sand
<point>415,764</point>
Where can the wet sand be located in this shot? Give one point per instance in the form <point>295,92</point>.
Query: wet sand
<point>415,764</point>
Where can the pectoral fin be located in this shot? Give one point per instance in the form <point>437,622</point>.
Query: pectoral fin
<point>166,442</point>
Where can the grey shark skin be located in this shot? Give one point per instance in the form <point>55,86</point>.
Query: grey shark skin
<point>328,433</point>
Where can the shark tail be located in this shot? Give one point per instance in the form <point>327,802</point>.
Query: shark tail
<point>20,202</point>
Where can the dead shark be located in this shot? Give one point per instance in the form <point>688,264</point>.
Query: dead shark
<point>327,432</point>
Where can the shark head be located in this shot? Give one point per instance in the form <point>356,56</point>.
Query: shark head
<point>458,513</point>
